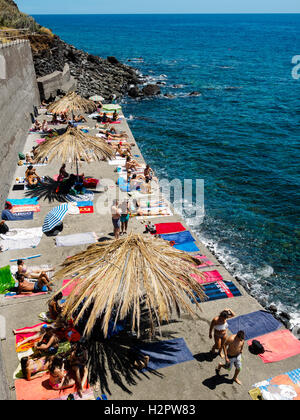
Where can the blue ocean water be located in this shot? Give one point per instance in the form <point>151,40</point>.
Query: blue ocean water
<point>241,135</point>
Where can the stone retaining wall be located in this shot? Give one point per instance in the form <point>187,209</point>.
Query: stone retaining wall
<point>18,96</point>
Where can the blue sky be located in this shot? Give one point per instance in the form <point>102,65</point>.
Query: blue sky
<point>157,6</point>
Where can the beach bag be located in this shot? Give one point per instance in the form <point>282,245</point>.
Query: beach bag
<point>4,228</point>
<point>21,156</point>
<point>256,347</point>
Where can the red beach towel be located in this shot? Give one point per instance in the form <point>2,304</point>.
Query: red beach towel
<point>162,228</point>
<point>205,260</point>
<point>40,389</point>
<point>22,336</point>
<point>212,276</point>
<point>279,345</point>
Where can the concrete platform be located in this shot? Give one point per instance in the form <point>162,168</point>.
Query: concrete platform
<point>194,380</point>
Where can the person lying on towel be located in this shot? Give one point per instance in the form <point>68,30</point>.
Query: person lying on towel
<point>31,273</point>
<point>27,288</point>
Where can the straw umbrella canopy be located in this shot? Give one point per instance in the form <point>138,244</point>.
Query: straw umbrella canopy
<point>115,279</point>
<point>72,103</point>
<point>74,146</point>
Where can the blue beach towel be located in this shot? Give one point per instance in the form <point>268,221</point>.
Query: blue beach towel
<point>219,290</point>
<point>179,238</point>
<point>254,324</point>
<point>187,247</point>
<point>166,353</point>
<point>85,204</point>
<point>7,215</point>
<point>23,201</point>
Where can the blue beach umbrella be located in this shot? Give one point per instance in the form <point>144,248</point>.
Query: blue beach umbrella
<point>55,217</point>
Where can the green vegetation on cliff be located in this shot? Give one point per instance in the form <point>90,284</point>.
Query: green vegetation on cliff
<point>11,17</point>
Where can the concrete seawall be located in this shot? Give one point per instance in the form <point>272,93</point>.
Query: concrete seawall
<point>18,95</point>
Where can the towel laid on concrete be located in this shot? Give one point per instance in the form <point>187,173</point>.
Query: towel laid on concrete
<point>254,324</point>
<point>219,290</point>
<point>179,238</point>
<point>166,353</point>
<point>162,228</point>
<point>21,238</point>
<point>282,387</point>
<point>279,345</point>
<point>187,247</point>
<point>76,239</point>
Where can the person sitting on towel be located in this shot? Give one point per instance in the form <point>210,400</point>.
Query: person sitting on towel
<point>25,287</point>
<point>32,177</point>
<point>31,273</point>
<point>37,126</point>
<point>29,158</point>
<point>54,119</point>
<point>63,174</point>
<point>80,118</point>
<point>115,116</point>
<point>45,127</point>
<point>132,164</point>
<point>55,309</point>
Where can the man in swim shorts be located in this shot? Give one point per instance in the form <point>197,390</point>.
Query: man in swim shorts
<point>26,287</point>
<point>233,349</point>
<point>116,215</point>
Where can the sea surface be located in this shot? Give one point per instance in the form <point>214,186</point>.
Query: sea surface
<point>241,135</point>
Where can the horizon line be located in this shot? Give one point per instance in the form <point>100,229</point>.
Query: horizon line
<point>167,13</point>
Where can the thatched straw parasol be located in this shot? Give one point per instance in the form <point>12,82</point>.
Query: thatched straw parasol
<point>72,103</point>
<point>114,280</point>
<point>73,146</point>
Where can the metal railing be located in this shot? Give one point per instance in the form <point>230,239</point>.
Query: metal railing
<point>14,36</point>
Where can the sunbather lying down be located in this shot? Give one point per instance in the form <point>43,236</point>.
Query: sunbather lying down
<point>31,273</point>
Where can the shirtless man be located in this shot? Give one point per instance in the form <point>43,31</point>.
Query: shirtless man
<point>25,287</point>
<point>233,348</point>
<point>116,216</point>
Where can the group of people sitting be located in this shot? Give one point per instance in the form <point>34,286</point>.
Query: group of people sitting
<point>66,368</point>
<point>139,181</point>
<point>41,127</point>
<point>104,119</point>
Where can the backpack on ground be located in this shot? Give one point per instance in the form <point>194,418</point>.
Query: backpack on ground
<point>256,347</point>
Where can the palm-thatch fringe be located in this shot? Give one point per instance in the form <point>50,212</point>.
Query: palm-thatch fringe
<point>117,279</point>
<point>72,103</point>
<point>73,146</point>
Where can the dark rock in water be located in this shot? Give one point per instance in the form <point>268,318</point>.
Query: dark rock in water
<point>168,95</point>
<point>151,90</point>
<point>195,93</point>
<point>272,308</point>
<point>134,92</point>
<point>285,315</point>
<point>113,60</point>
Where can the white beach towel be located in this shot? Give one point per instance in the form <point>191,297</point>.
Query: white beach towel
<point>76,239</point>
<point>21,239</point>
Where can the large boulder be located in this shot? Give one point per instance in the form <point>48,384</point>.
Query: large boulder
<point>151,90</point>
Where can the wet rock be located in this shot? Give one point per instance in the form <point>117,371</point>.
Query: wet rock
<point>151,90</point>
<point>195,93</point>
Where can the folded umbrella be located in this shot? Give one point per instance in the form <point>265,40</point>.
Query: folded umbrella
<point>55,217</point>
